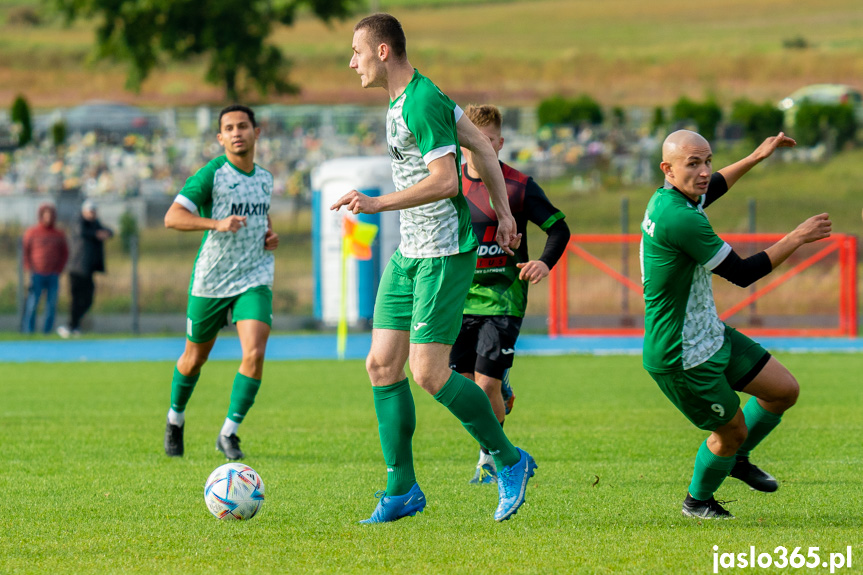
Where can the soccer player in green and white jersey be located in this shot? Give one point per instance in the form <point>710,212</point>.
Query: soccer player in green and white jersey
<point>228,199</point>
<point>420,298</point>
<point>699,362</point>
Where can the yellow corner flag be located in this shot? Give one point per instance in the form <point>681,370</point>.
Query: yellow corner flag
<point>357,241</point>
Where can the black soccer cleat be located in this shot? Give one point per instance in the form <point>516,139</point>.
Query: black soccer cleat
<point>752,476</point>
<point>230,446</point>
<point>706,509</point>
<point>174,440</point>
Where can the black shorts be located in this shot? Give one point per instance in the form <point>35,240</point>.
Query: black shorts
<point>485,344</point>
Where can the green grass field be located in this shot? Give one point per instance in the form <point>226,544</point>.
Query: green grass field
<point>89,490</point>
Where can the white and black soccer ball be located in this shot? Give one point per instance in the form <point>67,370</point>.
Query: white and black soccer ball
<point>234,491</point>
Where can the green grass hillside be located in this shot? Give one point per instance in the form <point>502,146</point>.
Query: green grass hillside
<point>623,52</point>
<point>785,195</point>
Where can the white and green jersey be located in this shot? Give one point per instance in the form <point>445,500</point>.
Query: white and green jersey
<point>679,249</point>
<point>421,127</point>
<point>230,263</point>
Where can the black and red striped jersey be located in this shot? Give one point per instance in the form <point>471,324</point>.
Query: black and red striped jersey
<point>496,289</point>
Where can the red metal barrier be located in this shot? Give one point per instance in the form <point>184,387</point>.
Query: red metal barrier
<point>843,244</point>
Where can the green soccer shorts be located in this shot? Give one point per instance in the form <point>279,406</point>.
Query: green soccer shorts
<point>707,394</point>
<point>425,296</point>
<point>205,316</point>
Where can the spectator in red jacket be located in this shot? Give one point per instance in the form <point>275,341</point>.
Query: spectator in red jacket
<point>45,256</point>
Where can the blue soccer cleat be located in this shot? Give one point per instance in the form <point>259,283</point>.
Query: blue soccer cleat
<point>512,485</point>
<point>485,474</point>
<point>393,508</point>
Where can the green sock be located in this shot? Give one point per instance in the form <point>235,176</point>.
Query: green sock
<point>469,403</point>
<point>394,406</point>
<point>760,422</point>
<point>242,396</point>
<point>182,387</point>
<point>483,449</point>
<point>710,471</point>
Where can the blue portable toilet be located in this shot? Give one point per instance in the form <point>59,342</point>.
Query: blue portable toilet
<point>330,181</point>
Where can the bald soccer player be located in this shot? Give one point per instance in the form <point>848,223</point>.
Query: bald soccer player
<point>699,362</point>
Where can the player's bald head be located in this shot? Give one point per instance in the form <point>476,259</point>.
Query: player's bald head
<point>680,143</point>
<point>687,162</point>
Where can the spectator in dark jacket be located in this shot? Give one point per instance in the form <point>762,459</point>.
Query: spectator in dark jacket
<point>45,255</point>
<point>88,257</point>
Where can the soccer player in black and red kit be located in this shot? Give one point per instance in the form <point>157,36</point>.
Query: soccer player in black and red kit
<point>497,299</point>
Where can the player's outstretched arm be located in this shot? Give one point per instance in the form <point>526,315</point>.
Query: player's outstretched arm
<point>814,229</point>
<point>744,272</point>
<point>179,218</point>
<point>736,170</point>
<point>440,184</point>
<point>486,163</point>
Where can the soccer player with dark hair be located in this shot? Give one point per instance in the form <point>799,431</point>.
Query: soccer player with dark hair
<point>496,302</point>
<point>699,362</point>
<point>421,294</point>
<point>228,199</point>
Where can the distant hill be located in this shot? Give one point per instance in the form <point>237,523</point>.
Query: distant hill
<point>622,52</point>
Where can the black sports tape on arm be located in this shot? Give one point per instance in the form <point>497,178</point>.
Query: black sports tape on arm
<point>716,189</point>
<point>555,244</point>
<point>744,272</point>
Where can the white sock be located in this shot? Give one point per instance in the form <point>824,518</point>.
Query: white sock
<point>485,458</point>
<point>230,427</point>
<point>176,417</point>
